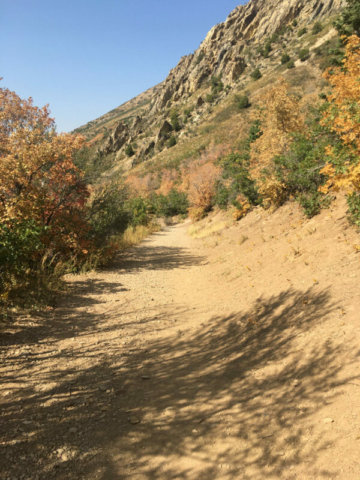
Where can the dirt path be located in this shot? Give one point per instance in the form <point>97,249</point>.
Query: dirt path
<point>157,369</point>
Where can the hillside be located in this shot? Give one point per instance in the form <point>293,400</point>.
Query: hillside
<point>202,89</point>
<point>124,113</point>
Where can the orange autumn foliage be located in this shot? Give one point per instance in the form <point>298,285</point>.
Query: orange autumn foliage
<point>199,180</point>
<point>343,116</point>
<point>280,116</point>
<point>168,181</point>
<point>38,179</point>
<point>142,186</point>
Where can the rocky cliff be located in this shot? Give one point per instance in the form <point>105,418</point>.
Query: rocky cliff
<point>230,50</point>
<point>222,51</point>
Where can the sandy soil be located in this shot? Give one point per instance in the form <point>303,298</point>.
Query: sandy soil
<point>234,356</point>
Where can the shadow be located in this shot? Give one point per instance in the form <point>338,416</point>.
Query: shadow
<point>234,399</point>
<point>148,257</point>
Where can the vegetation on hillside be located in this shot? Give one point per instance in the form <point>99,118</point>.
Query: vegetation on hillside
<point>59,213</point>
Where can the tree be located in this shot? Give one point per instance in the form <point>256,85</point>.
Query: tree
<point>304,54</point>
<point>343,117</point>
<point>348,23</point>
<point>243,102</point>
<point>256,74</point>
<point>279,117</point>
<point>38,179</point>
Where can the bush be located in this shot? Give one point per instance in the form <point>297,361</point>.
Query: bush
<point>217,85</point>
<point>313,203</point>
<point>243,102</point>
<point>304,54</point>
<point>302,31</point>
<point>256,74</point>
<point>317,28</point>
<point>353,201</point>
<point>290,64</point>
<point>107,213</point>
<point>21,249</point>
<point>129,151</point>
<point>267,49</point>
<point>175,203</point>
<point>285,58</point>
<point>139,211</point>
<point>175,122</point>
<point>295,23</point>
<point>210,98</point>
<point>236,182</point>
<point>171,142</point>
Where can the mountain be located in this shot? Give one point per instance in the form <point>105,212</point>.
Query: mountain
<point>213,74</point>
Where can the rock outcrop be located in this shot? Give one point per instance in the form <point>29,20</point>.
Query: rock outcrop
<point>222,51</point>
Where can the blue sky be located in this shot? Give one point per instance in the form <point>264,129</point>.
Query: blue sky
<point>86,57</point>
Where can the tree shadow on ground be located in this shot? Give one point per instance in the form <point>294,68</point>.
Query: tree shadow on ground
<point>148,257</point>
<point>228,401</point>
<point>87,293</point>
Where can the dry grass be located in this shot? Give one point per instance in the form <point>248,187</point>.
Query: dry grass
<point>135,235</point>
<point>207,230</point>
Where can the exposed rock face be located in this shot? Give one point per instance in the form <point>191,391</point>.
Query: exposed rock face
<point>116,140</point>
<point>222,51</point>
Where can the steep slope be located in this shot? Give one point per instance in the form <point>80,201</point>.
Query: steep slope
<point>223,64</point>
<point>224,48</point>
<point>124,113</point>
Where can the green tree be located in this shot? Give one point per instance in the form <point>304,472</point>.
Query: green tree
<point>349,21</point>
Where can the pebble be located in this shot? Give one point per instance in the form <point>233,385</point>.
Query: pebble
<point>328,420</point>
<point>102,388</point>
<point>72,430</point>
<point>134,420</point>
<point>145,377</point>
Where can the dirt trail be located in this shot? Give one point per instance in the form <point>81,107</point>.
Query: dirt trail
<point>159,369</point>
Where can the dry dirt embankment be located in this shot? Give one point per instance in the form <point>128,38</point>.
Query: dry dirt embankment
<point>232,356</point>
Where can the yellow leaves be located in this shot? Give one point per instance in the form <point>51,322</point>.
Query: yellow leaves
<point>274,193</point>
<point>280,115</point>
<point>343,116</point>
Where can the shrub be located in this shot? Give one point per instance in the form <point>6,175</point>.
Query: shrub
<point>317,28</point>
<point>175,122</point>
<point>267,49</point>
<point>243,102</point>
<point>353,201</point>
<point>139,211</point>
<point>302,31</point>
<point>295,23</point>
<point>285,58</point>
<point>175,203</point>
<point>342,116</point>
<point>107,213</point>
<point>304,54</point>
<point>129,151</point>
<point>256,74</point>
<point>290,64</point>
<point>210,98</point>
<point>349,21</point>
<point>171,142</point>
<point>217,85</point>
